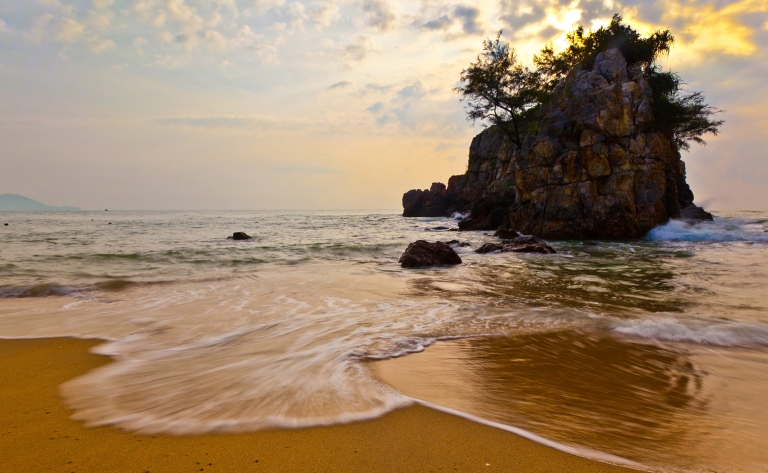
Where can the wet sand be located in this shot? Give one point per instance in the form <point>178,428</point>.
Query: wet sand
<point>36,434</point>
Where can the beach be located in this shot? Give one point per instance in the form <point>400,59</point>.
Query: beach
<point>310,343</point>
<point>38,435</point>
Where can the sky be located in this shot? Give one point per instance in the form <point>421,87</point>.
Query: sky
<point>283,104</point>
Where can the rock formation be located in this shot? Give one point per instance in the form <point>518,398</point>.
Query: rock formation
<point>596,168</point>
<point>423,253</point>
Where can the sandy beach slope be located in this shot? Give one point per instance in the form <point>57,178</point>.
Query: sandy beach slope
<point>36,434</point>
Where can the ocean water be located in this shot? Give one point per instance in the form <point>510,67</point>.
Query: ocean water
<point>653,352</point>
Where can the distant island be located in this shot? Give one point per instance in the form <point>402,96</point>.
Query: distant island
<point>19,203</point>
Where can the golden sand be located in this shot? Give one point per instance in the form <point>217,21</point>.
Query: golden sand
<point>36,434</point>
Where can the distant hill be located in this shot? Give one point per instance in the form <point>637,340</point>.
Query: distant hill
<point>25,204</point>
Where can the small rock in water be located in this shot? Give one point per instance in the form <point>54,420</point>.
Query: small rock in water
<point>240,236</point>
<point>693,213</point>
<point>5,224</point>
<point>110,223</point>
<point>423,253</point>
<point>506,234</point>
<point>520,244</point>
<point>436,229</point>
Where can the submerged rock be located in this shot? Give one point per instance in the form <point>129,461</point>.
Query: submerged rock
<point>240,236</point>
<point>423,253</point>
<point>457,243</point>
<point>520,244</point>
<point>597,168</point>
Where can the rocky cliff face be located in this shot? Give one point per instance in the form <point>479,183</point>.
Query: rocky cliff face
<point>597,168</point>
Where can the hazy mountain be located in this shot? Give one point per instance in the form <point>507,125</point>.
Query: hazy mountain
<point>25,204</point>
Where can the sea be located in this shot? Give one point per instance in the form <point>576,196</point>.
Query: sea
<point>650,352</point>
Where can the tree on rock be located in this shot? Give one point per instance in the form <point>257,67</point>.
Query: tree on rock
<point>500,90</point>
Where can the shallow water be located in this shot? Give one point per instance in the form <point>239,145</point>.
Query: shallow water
<point>652,350</point>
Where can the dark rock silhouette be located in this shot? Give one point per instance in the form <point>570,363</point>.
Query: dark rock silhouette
<point>423,253</point>
<point>596,168</point>
<point>694,213</point>
<point>433,202</point>
<point>520,244</point>
<point>240,236</point>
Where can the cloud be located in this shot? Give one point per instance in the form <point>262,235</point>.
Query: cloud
<point>102,4</point>
<point>440,23</point>
<point>69,30</point>
<point>379,14</point>
<point>99,46</point>
<point>375,108</point>
<point>340,85</point>
<point>467,17</point>
<point>325,14</point>
<point>358,49</point>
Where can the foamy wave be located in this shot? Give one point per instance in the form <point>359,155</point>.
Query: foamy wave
<point>723,229</point>
<point>39,290</point>
<point>668,329</point>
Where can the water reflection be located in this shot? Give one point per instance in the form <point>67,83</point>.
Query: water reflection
<point>607,280</point>
<point>645,402</point>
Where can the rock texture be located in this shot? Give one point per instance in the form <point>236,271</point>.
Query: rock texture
<point>597,168</point>
<point>520,244</point>
<point>423,253</point>
<point>432,202</point>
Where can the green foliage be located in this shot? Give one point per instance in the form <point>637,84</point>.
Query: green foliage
<point>681,114</point>
<point>500,91</point>
<point>583,48</point>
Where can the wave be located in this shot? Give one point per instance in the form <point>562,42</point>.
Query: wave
<point>721,230</point>
<point>35,290</point>
<point>722,334</point>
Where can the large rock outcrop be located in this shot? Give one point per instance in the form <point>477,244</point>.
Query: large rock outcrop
<point>597,168</point>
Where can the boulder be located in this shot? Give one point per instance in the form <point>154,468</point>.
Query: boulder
<point>240,236</point>
<point>423,253</point>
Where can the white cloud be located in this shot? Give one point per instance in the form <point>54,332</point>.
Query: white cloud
<point>69,30</point>
<point>324,14</point>
<point>358,49</point>
<point>102,4</point>
<point>100,19</point>
<point>98,46</point>
<point>380,14</point>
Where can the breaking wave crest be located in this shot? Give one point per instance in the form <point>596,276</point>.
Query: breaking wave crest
<point>674,330</point>
<point>721,230</point>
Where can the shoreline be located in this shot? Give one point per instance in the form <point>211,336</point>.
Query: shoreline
<point>35,425</point>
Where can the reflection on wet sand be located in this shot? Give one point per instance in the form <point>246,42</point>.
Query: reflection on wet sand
<point>656,405</point>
